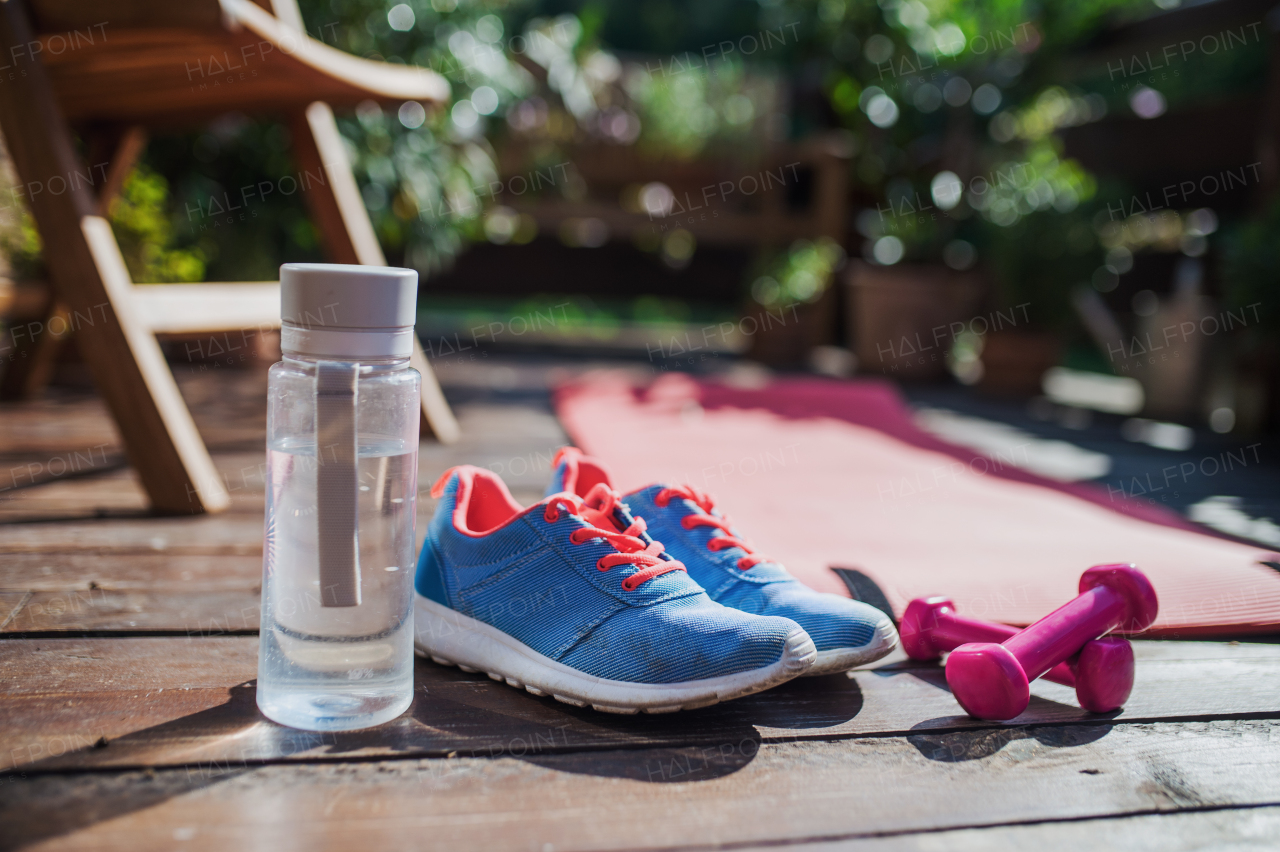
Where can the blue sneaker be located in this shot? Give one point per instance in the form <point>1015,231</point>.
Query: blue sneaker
<point>569,598</point>
<point>847,633</point>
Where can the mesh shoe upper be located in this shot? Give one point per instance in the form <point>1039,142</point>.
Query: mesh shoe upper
<point>524,576</point>
<point>764,588</point>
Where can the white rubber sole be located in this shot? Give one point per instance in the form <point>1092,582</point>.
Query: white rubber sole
<point>450,638</point>
<point>837,660</point>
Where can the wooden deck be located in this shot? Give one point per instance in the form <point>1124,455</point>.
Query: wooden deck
<point>127,664</point>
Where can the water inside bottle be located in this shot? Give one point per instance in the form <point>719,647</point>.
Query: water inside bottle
<point>337,668</point>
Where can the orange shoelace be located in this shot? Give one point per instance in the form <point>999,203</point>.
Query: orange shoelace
<point>631,549</point>
<point>706,519</point>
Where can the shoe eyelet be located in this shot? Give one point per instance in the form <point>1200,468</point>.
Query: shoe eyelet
<point>684,522</point>
<point>627,586</point>
<point>550,516</point>
<point>600,566</point>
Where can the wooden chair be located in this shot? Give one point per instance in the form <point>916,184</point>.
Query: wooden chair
<point>115,68</point>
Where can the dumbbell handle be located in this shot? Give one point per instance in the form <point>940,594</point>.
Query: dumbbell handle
<point>1063,632</point>
<point>950,631</point>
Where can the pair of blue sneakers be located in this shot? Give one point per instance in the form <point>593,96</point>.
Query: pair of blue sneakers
<point>649,601</point>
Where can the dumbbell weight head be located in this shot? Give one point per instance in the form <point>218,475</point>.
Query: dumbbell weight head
<point>1104,674</point>
<point>988,681</point>
<point>991,681</point>
<point>1141,604</point>
<point>916,629</point>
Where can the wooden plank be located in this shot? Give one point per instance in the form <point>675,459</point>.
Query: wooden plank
<point>10,603</point>
<point>60,425</point>
<point>516,441</point>
<point>252,62</point>
<point>1184,831</point>
<point>220,534</point>
<point>54,16</point>
<point>198,692</point>
<point>229,405</point>
<point>193,612</point>
<point>91,484</point>
<point>90,277</point>
<point>27,378</point>
<point>42,572</point>
<point>117,494</point>
<point>726,792</point>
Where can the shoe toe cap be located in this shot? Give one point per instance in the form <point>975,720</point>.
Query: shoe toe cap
<point>689,643</point>
<point>833,622</point>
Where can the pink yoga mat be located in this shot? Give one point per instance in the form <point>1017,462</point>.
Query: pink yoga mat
<point>822,473</point>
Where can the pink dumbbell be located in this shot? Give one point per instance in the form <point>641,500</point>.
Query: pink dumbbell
<point>992,680</point>
<point>1102,674</point>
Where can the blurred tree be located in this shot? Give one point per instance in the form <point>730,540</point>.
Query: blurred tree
<point>144,231</point>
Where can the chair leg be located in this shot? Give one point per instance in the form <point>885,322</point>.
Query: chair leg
<point>24,338</point>
<point>125,148</point>
<point>92,282</point>
<point>348,235</point>
<point>28,376</point>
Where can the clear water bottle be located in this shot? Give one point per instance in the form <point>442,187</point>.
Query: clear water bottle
<point>336,648</point>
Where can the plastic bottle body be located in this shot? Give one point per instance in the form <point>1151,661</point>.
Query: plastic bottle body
<point>330,668</point>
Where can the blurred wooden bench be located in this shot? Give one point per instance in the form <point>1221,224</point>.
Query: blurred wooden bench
<point>113,69</point>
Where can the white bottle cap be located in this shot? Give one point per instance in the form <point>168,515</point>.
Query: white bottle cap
<point>343,312</point>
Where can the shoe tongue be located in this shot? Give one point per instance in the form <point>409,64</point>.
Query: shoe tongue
<point>599,519</point>
<point>593,508</point>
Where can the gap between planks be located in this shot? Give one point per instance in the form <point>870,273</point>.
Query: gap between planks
<point>174,701</point>
<point>769,793</point>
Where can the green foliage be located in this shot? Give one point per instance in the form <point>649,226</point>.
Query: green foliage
<point>237,197</point>
<point>686,109</point>
<point>144,229</point>
<point>801,273</point>
<point>20,242</point>
<point>145,232</point>
<point>424,174</point>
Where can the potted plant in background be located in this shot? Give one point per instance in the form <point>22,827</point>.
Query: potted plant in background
<point>970,206</point>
